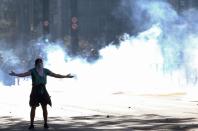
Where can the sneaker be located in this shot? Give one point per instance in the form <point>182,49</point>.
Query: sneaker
<point>46,126</point>
<point>31,127</point>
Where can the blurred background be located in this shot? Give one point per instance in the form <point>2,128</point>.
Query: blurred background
<point>81,27</point>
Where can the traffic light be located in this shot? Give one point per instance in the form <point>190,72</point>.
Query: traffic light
<point>74,23</point>
<point>74,26</point>
<point>46,27</point>
<point>45,23</point>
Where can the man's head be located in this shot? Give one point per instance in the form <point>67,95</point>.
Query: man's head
<point>39,62</point>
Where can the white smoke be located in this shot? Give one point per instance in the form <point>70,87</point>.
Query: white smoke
<point>136,64</point>
<point>178,34</point>
<point>163,55</point>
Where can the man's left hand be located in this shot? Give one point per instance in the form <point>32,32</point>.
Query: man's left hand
<point>69,76</point>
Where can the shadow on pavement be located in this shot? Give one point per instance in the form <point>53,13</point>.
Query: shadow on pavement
<point>102,122</point>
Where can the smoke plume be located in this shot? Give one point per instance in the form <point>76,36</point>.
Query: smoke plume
<point>162,52</point>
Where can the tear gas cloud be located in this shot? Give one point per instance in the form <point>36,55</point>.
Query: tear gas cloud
<point>162,54</point>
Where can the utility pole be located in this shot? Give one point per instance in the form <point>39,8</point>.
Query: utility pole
<point>74,26</point>
<point>46,29</point>
<point>31,8</point>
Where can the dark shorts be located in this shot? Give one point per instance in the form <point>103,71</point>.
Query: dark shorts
<point>39,95</point>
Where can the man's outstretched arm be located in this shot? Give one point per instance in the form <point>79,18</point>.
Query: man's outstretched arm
<point>60,76</point>
<point>12,73</point>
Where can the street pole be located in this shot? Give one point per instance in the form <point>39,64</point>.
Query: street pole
<point>74,28</point>
<point>45,22</point>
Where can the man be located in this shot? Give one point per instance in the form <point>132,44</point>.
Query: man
<point>39,93</point>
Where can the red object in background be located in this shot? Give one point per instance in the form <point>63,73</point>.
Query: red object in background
<point>74,23</point>
<point>74,19</point>
<point>45,23</point>
<point>74,26</point>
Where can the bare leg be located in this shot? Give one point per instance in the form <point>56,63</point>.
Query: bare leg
<point>32,115</point>
<point>45,113</point>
